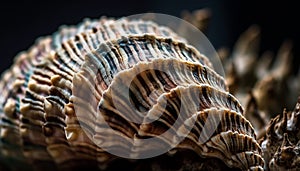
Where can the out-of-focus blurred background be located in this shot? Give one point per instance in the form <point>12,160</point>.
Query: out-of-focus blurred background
<point>23,22</point>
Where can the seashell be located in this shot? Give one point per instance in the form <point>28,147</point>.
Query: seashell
<point>240,66</point>
<point>275,82</point>
<point>59,95</point>
<point>281,142</point>
<point>264,85</point>
<point>286,156</point>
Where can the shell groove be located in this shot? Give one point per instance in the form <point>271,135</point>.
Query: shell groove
<point>46,122</point>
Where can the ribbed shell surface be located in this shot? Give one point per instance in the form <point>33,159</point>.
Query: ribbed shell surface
<point>57,96</point>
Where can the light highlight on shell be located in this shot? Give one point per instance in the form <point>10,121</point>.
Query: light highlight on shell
<point>44,95</point>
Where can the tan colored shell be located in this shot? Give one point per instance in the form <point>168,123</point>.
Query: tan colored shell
<point>44,99</point>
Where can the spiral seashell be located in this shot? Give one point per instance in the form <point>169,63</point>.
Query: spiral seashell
<point>78,96</point>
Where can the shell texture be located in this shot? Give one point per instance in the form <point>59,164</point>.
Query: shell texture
<point>273,85</point>
<point>281,142</point>
<point>46,122</point>
<point>265,84</point>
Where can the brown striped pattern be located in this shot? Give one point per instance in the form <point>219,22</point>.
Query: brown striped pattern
<point>124,71</point>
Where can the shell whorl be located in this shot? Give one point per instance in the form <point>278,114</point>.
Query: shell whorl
<point>45,119</point>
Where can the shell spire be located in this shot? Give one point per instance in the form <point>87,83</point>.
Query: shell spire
<point>281,143</point>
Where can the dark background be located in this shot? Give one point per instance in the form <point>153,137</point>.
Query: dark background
<point>23,22</point>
